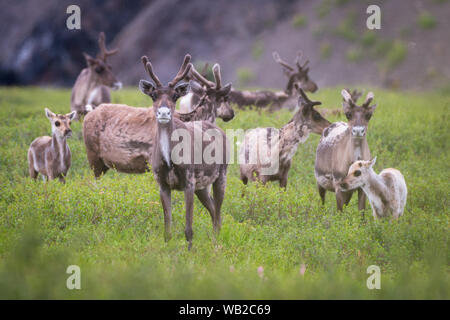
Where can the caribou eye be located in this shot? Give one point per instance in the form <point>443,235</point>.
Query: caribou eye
<point>348,115</point>
<point>316,116</point>
<point>57,123</point>
<point>99,69</point>
<point>357,173</point>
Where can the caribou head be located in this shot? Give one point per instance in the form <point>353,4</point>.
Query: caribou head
<point>298,75</point>
<point>213,93</point>
<point>165,97</point>
<point>358,116</point>
<point>101,71</point>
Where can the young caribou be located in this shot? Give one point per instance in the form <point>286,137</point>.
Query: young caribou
<point>185,172</point>
<point>340,145</point>
<point>50,156</point>
<point>92,85</point>
<point>122,137</point>
<point>386,191</point>
<point>281,144</point>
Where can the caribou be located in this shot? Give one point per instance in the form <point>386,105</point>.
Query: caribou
<point>185,172</point>
<point>121,137</point>
<point>50,156</point>
<point>296,76</point>
<point>92,85</point>
<point>210,99</point>
<point>340,145</point>
<point>282,144</point>
<point>386,191</point>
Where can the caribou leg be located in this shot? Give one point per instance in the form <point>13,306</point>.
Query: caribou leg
<point>165,195</point>
<point>189,203</point>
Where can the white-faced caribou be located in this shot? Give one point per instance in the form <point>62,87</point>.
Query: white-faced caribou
<point>190,171</point>
<point>340,145</point>
<point>281,144</point>
<point>121,137</point>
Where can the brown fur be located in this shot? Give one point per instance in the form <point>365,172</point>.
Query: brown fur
<point>339,148</point>
<point>296,131</point>
<point>92,85</point>
<point>189,177</point>
<point>121,137</point>
<point>50,156</point>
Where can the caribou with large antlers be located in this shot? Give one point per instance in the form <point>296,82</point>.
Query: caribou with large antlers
<point>281,144</point>
<point>277,99</point>
<point>340,145</point>
<point>92,85</point>
<point>122,137</point>
<point>209,99</point>
<point>185,172</point>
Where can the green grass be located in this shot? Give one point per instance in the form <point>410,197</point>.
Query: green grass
<point>426,20</point>
<point>113,228</point>
<point>299,21</point>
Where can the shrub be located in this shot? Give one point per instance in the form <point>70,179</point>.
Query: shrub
<point>245,76</point>
<point>299,21</point>
<point>426,20</point>
<point>325,50</point>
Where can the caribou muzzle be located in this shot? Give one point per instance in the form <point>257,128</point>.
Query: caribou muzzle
<point>164,115</point>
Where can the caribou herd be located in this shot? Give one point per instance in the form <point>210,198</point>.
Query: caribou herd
<point>187,151</point>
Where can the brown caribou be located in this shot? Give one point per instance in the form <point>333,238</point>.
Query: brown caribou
<point>277,99</point>
<point>340,145</point>
<point>210,96</point>
<point>281,144</point>
<point>121,137</point>
<point>50,156</point>
<point>92,85</point>
<point>185,172</point>
<point>355,94</point>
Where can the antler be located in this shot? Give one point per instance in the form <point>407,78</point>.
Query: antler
<point>148,66</point>
<point>369,99</point>
<point>204,71</point>
<point>355,94</point>
<point>104,53</point>
<point>201,79</point>
<point>217,76</point>
<point>305,97</point>
<point>277,59</point>
<point>184,69</point>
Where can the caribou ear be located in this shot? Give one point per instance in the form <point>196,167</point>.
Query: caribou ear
<point>347,97</point>
<point>372,162</point>
<point>225,90</point>
<point>72,115</point>
<point>89,60</point>
<point>49,114</point>
<point>182,89</point>
<point>196,88</point>
<point>146,87</point>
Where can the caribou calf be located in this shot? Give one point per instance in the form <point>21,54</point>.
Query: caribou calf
<point>282,149</point>
<point>50,156</point>
<point>188,174</point>
<point>386,191</point>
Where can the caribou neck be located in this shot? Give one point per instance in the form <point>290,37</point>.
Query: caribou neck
<point>163,142</point>
<point>59,148</point>
<point>291,134</point>
<point>376,191</point>
<point>357,146</point>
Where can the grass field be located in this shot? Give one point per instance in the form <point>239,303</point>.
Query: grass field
<point>113,228</point>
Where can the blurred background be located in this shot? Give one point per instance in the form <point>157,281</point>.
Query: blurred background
<point>411,51</point>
